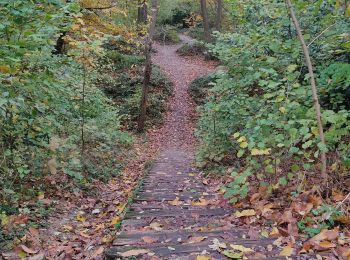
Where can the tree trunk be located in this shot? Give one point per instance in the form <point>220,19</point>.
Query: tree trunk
<point>148,67</point>
<point>313,86</point>
<point>219,12</point>
<point>142,11</point>
<point>205,20</point>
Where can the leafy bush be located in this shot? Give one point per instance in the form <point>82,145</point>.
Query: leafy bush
<point>46,101</point>
<point>199,87</point>
<point>123,83</point>
<point>258,120</point>
<point>194,49</point>
<point>167,34</point>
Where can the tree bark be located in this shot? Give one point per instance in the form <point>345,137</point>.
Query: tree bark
<point>219,13</point>
<point>205,20</point>
<point>142,11</point>
<point>148,67</point>
<point>313,87</point>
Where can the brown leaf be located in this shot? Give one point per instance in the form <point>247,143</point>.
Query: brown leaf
<point>302,208</point>
<point>28,250</point>
<point>98,252</point>
<point>194,239</point>
<point>325,234</point>
<point>150,240</point>
<point>134,252</point>
<point>287,217</point>
<point>176,202</point>
<point>245,213</point>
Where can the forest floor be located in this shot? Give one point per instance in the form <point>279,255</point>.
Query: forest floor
<point>175,213</point>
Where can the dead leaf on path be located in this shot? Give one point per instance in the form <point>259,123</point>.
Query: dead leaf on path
<point>286,251</point>
<point>67,228</point>
<point>337,196</point>
<point>302,208</point>
<point>201,202</point>
<point>156,226</point>
<point>98,252</point>
<point>241,248</point>
<point>194,239</point>
<point>232,255</point>
<point>176,202</point>
<point>326,245</point>
<point>257,256</point>
<point>325,234</point>
<point>205,182</point>
<point>275,232</point>
<point>80,218</point>
<point>115,221</point>
<point>217,245</point>
<point>253,233</point>
<point>202,257</point>
<point>287,217</point>
<point>245,213</point>
<point>37,257</point>
<point>134,252</point>
<point>149,240</point>
<point>28,250</point>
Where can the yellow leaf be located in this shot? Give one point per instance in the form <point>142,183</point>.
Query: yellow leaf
<point>4,69</point>
<point>80,218</point>
<point>115,221</point>
<point>121,207</point>
<point>243,145</point>
<point>242,139</point>
<point>283,110</point>
<point>260,152</point>
<point>201,202</point>
<point>175,202</point>
<point>202,257</point>
<point>314,130</point>
<point>236,135</point>
<point>286,251</point>
<point>245,213</point>
<point>4,219</point>
<point>241,248</point>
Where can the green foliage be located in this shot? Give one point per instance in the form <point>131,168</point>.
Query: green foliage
<point>259,116</point>
<point>45,100</point>
<point>122,79</point>
<point>167,34</point>
<point>196,48</point>
<point>200,86</point>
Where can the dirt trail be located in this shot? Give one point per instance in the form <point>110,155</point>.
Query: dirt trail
<point>177,215</point>
<point>177,131</point>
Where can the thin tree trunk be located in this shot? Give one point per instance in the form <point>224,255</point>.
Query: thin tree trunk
<point>148,67</point>
<point>219,12</point>
<point>313,86</point>
<point>205,20</point>
<point>142,11</point>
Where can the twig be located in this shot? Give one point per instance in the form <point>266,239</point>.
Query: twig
<point>342,202</point>
<point>318,36</point>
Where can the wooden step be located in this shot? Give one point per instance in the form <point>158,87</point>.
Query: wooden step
<point>178,213</point>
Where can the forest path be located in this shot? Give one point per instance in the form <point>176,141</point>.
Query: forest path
<point>175,214</point>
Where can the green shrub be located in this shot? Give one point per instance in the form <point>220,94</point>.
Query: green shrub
<point>200,86</point>
<point>168,35</point>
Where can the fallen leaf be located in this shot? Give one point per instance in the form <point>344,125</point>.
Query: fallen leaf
<point>28,250</point>
<point>150,240</point>
<point>232,255</point>
<point>115,221</point>
<point>202,257</point>
<point>286,251</point>
<point>241,248</point>
<point>245,213</point>
<point>194,239</point>
<point>217,245</point>
<point>134,252</point>
<point>98,252</point>
<point>201,202</point>
<point>156,226</point>
<point>325,234</point>
<point>80,218</point>
<point>176,202</point>
<point>326,245</point>
<point>40,256</point>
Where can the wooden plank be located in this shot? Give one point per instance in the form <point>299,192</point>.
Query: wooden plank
<point>162,250</point>
<point>178,213</point>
